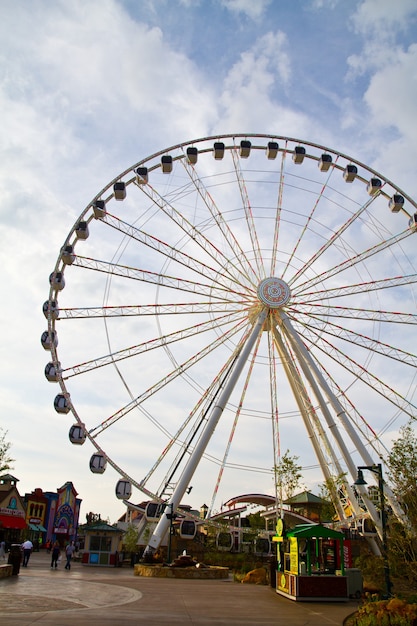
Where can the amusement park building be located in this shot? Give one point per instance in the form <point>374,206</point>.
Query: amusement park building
<point>39,516</point>
<point>12,510</point>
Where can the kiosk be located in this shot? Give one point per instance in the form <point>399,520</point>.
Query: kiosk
<point>310,563</point>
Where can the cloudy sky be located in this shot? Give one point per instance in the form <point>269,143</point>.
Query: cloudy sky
<point>90,88</point>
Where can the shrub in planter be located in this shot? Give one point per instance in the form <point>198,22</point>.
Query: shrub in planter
<point>393,612</point>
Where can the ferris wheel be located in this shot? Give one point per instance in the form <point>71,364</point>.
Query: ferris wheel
<point>230,298</point>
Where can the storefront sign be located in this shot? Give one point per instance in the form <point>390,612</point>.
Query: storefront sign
<point>12,512</point>
<point>293,555</point>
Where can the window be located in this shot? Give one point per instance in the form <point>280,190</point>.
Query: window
<point>100,544</point>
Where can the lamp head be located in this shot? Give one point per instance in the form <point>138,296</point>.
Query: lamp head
<point>360,479</point>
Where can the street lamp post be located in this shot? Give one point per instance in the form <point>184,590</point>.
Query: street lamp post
<point>171,516</point>
<point>377,469</point>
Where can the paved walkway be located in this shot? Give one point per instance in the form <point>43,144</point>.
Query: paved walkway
<point>114,596</point>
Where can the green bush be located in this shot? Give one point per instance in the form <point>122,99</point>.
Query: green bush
<point>393,612</point>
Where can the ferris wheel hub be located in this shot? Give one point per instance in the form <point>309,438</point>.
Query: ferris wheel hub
<point>274,292</point>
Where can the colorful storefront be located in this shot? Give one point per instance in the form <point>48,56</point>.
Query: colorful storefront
<point>36,509</point>
<point>12,511</point>
<point>63,514</point>
<point>310,563</point>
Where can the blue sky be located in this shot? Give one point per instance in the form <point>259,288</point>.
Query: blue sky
<point>89,88</point>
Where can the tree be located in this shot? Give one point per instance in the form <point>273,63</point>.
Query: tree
<point>130,539</point>
<point>256,520</point>
<point>93,518</point>
<point>402,472</point>
<point>287,475</point>
<point>5,458</point>
<point>330,491</point>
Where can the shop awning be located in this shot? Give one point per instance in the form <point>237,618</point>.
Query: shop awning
<point>311,531</point>
<point>37,528</point>
<point>12,521</point>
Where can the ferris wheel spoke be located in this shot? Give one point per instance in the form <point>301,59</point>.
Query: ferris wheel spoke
<point>245,267</point>
<point>140,310</point>
<point>322,312</point>
<point>166,379</point>
<point>192,231</point>
<point>248,215</point>
<point>358,339</point>
<point>162,280</point>
<point>363,374</point>
<point>152,344</point>
<point>277,219</point>
<point>305,229</point>
<point>351,262</point>
<point>165,249</point>
<point>347,290</point>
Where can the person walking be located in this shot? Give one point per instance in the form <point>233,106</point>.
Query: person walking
<point>69,551</point>
<point>56,551</point>
<point>27,547</point>
<point>3,550</point>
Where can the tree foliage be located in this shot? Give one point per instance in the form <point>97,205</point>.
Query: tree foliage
<point>328,493</point>
<point>256,520</point>
<point>288,475</point>
<point>402,472</point>
<point>130,539</point>
<point>5,458</point>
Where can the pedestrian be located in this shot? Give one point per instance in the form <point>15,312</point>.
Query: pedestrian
<point>3,550</point>
<point>56,551</point>
<point>69,551</point>
<point>27,547</point>
<point>48,546</point>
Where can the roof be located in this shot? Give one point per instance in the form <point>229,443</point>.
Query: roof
<point>314,530</point>
<point>305,497</point>
<point>8,477</point>
<point>251,498</point>
<point>101,526</point>
<point>229,513</point>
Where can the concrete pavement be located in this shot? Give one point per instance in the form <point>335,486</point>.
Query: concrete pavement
<point>114,596</point>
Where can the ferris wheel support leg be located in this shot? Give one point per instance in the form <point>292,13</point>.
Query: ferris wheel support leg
<point>330,422</point>
<point>341,413</point>
<point>185,478</point>
<point>305,356</point>
<point>306,409</point>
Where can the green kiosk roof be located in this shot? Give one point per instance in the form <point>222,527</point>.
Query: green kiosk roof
<point>308,531</point>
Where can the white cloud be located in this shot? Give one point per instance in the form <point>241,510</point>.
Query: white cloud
<point>380,17</point>
<point>388,67</point>
<point>252,8</point>
<point>325,4</point>
<point>381,24</point>
<point>392,93</point>
<point>255,87</point>
<point>88,89</point>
